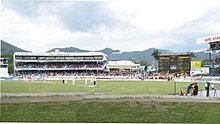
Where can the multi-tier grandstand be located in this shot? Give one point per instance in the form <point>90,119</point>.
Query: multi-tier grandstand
<point>59,63</point>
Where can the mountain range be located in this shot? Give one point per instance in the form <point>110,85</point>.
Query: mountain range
<point>145,55</point>
<point>7,48</point>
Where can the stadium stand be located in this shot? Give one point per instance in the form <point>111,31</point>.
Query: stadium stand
<point>4,67</point>
<point>81,64</point>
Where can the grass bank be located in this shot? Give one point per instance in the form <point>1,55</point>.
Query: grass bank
<point>120,112</point>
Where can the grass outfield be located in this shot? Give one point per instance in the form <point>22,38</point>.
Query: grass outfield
<point>105,86</point>
<point>106,111</point>
<point>121,112</point>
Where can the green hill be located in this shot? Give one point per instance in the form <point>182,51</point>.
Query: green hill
<point>145,55</point>
<point>7,48</point>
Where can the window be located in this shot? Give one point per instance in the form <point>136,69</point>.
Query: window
<point>89,58</point>
<point>79,58</point>
<point>41,58</point>
<point>50,58</point>
<point>33,58</point>
<point>27,58</point>
<point>69,58</point>
<point>98,57</point>
<point>18,57</point>
<point>59,58</point>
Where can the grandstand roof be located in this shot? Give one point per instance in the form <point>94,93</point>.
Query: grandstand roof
<point>122,63</point>
<point>57,53</point>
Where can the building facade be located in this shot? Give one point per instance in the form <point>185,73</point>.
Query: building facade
<point>4,67</point>
<point>59,63</point>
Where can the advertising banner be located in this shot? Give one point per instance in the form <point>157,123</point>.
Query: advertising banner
<point>208,39</point>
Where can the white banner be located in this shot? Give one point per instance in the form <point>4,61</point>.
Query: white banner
<point>208,39</point>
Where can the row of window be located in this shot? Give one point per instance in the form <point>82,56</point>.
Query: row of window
<point>58,57</point>
<point>178,64</point>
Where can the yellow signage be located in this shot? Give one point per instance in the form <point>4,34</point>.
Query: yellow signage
<point>196,63</point>
<point>183,57</point>
<point>122,67</point>
<point>164,58</point>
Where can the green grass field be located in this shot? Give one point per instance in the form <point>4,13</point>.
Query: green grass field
<point>97,111</point>
<point>120,112</point>
<point>105,86</point>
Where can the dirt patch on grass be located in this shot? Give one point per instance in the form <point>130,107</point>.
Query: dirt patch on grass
<point>107,98</point>
<point>39,99</point>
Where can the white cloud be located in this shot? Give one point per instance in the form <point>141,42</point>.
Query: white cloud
<point>125,25</point>
<point>161,15</point>
<point>37,35</point>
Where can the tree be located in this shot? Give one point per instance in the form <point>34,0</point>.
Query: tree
<point>205,62</point>
<point>215,70</point>
<point>192,55</point>
<point>156,54</point>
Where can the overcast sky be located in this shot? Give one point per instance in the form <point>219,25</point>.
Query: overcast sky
<point>133,25</point>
